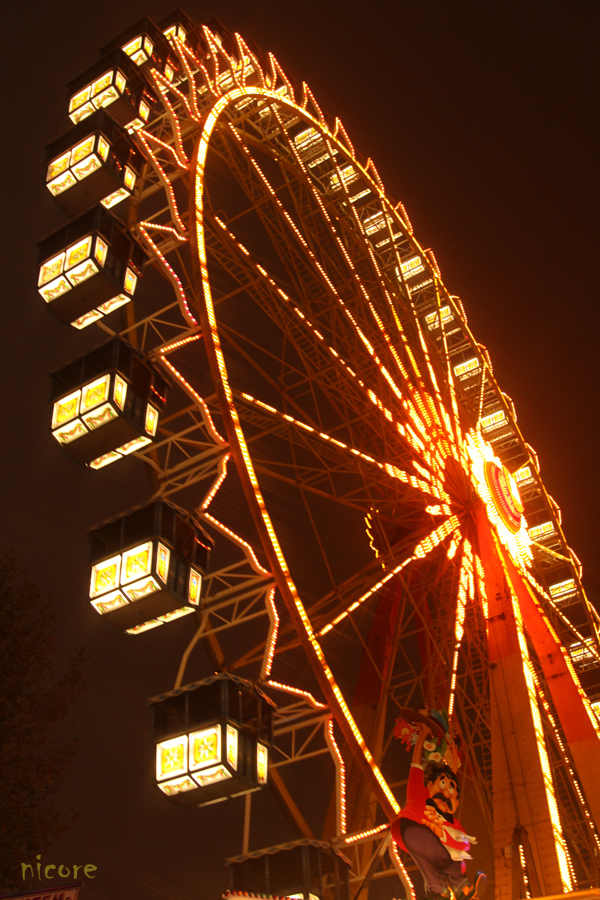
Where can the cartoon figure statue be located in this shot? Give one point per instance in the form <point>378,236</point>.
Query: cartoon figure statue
<point>427,827</point>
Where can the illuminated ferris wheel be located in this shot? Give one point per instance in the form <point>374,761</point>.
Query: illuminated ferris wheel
<point>343,499</point>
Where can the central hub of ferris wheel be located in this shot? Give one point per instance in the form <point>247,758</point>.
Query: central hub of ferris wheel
<point>505,494</point>
<point>499,492</point>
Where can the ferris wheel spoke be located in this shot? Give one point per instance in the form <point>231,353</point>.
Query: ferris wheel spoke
<point>338,373</point>
<point>348,451</point>
<point>447,426</point>
<point>296,323</point>
<point>465,593</point>
<point>289,244</point>
<point>386,345</point>
<point>362,263</point>
<point>353,487</point>
<point>455,417</point>
<point>423,548</point>
<point>362,266</point>
<point>323,364</point>
<point>394,325</point>
<point>425,676</point>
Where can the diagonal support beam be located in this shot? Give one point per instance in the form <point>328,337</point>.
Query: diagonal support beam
<point>288,804</point>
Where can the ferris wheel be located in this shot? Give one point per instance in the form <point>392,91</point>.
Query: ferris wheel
<point>371,530</point>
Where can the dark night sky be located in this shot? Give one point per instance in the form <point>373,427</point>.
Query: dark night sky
<point>481,117</point>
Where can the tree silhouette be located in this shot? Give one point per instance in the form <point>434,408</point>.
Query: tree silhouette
<point>34,697</point>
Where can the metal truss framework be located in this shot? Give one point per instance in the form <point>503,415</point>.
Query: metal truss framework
<point>321,375</point>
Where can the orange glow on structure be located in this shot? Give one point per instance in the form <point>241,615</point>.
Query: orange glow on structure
<point>341,777</point>
<point>432,432</point>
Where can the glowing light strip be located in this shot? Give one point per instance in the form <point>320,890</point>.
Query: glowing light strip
<point>245,51</point>
<point>450,526</point>
<point>308,97</point>
<point>464,593</point>
<point>202,151</point>
<point>171,274</point>
<point>292,690</point>
<point>407,882</point>
<point>272,639</point>
<point>441,510</point>
<point>453,683</point>
<point>386,374</point>
<point>452,428</point>
<point>167,348</point>
<point>368,523</point>
<point>413,440</point>
<point>144,137</point>
<point>567,622</point>
<point>567,760</point>
<point>215,50</point>
<point>452,548</point>
<point>524,869</point>
<point>434,262</point>
<point>218,482</point>
<point>340,128</point>
<point>407,221</point>
<point>352,838</point>
<point>238,540</point>
<point>163,86</point>
<point>424,472</point>
<point>183,53</point>
<point>195,396</point>
<point>392,471</point>
<point>341,775</point>
<point>481,394</point>
<point>559,840</point>
<point>208,81</point>
<point>482,587</point>
<point>369,593</point>
<point>275,71</point>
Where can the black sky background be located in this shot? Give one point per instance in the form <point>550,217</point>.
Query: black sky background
<point>482,118</point>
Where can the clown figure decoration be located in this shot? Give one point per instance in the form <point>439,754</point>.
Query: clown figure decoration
<point>427,827</point>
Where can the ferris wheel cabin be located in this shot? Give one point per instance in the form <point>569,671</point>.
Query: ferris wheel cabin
<point>89,268</point>
<point>116,84</point>
<point>146,567</point>
<point>106,404</point>
<point>94,162</point>
<point>212,740</point>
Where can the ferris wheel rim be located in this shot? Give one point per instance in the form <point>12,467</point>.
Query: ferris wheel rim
<point>236,436</point>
